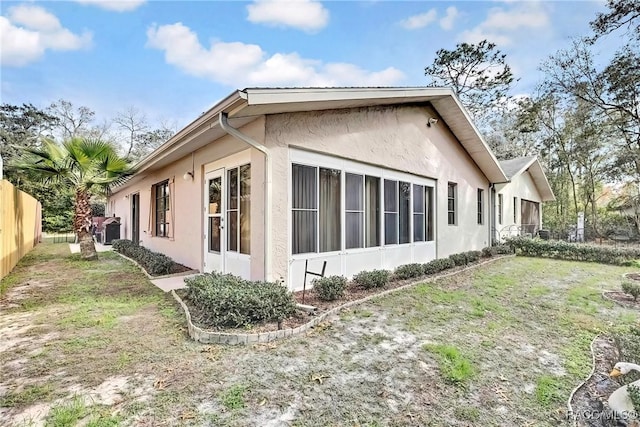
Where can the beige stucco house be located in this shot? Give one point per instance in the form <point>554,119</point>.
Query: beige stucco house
<point>518,203</point>
<point>270,180</point>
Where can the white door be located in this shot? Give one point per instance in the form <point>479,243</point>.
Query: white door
<point>214,230</point>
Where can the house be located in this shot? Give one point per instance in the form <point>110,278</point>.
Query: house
<point>270,182</point>
<point>518,203</point>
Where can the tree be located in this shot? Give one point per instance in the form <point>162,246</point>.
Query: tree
<point>622,13</point>
<point>72,122</point>
<point>478,73</point>
<point>87,167</point>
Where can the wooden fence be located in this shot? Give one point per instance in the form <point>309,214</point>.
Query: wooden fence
<point>20,225</point>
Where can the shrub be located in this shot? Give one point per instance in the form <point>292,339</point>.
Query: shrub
<point>489,251</point>
<point>438,265</point>
<point>503,249</point>
<point>572,251</point>
<point>330,288</point>
<point>224,300</point>
<point>156,264</point>
<point>631,288</point>
<point>372,279</point>
<point>409,271</point>
<point>458,259</point>
<point>472,256</point>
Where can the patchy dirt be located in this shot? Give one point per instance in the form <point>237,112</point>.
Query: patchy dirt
<point>623,299</point>
<point>589,403</point>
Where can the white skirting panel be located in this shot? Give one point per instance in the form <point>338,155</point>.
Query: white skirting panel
<point>351,263</point>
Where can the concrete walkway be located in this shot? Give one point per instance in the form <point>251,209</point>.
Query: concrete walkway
<point>75,248</point>
<point>171,283</point>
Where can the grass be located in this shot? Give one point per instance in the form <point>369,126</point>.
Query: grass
<point>454,367</point>
<point>500,345</point>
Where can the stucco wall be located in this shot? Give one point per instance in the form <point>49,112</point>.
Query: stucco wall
<point>522,187</point>
<point>187,245</point>
<point>395,137</point>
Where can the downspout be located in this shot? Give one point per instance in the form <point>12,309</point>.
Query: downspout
<point>224,124</point>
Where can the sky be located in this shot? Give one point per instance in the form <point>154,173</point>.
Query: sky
<point>174,60</point>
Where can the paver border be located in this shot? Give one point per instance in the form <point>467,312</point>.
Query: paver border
<point>213,337</point>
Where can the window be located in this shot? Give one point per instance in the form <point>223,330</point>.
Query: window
<point>500,208</point>
<point>452,190</point>
<point>390,212</point>
<point>515,210</point>
<point>304,209</point>
<point>480,206</point>
<point>239,209</point>
<point>372,211</point>
<point>316,209</point>
<point>404,200</point>
<point>418,213</point>
<point>354,211</point>
<point>430,217</point>
<point>161,218</point>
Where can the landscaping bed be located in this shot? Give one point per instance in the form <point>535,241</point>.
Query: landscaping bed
<point>153,263</point>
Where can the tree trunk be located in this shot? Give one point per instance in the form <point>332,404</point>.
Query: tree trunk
<point>82,225</point>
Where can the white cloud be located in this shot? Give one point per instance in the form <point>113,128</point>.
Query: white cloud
<point>446,22</point>
<point>306,15</point>
<point>28,31</point>
<point>239,64</point>
<point>416,22</point>
<point>502,25</point>
<point>114,5</point>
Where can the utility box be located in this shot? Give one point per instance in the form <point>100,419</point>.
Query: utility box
<point>111,229</point>
<point>544,234</point>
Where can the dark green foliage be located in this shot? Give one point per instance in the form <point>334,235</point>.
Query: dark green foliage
<point>154,263</point>
<point>458,259</point>
<point>631,288</point>
<point>224,300</point>
<point>409,271</point>
<point>628,343</point>
<point>438,265</point>
<point>572,251</point>
<point>464,258</point>
<point>372,279</point>
<point>472,256</point>
<point>330,288</point>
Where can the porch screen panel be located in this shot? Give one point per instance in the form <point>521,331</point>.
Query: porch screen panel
<point>404,200</point>
<point>418,213</point>
<point>245,209</point>
<point>390,212</point>
<point>232,210</point>
<point>304,215</point>
<point>354,211</point>
<point>330,210</point>
<point>372,211</point>
<point>430,213</point>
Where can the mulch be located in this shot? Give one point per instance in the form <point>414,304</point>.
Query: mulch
<point>622,299</point>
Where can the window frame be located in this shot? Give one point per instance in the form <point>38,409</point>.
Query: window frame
<point>238,210</point>
<point>452,203</point>
<point>166,203</point>
<point>500,208</point>
<point>515,210</point>
<point>480,201</point>
<point>373,179</point>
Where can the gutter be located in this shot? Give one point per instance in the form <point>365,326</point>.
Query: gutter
<point>224,124</point>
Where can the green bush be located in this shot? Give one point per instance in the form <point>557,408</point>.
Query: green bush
<point>224,300</point>
<point>154,263</point>
<point>458,259</point>
<point>489,251</point>
<point>330,288</point>
<point>409,271</point>
<point>472,256</point>
<point>372,279</point>
<point>631,288</point>
<point>503,249</point>
<point>438,265</point>
<point>572,251</point>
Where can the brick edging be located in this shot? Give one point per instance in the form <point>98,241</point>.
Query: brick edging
<point>184,273</point>
<point>212,337</point>
<point>620,303</point>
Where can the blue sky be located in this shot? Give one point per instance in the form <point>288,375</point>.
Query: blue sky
<point>175,59</point>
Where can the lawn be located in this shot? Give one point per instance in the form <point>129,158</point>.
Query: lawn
<point>503,344</point>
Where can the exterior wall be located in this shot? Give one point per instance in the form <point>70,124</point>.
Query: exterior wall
<point>395,138</point>
<point>522,187</point>
<point>186,245</point>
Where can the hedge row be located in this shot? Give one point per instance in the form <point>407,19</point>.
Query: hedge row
<point>156,264</point>
<point>332,288</point>
<point>224,300</point>
<point>572,251</point>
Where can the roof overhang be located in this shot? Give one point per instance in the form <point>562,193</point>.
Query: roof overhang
<point>534,167</point>
<point>244,106</point>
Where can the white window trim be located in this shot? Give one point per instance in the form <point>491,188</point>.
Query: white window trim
<point>317,160</point>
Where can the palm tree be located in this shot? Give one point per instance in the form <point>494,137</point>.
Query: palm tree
<point>88,167</point>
